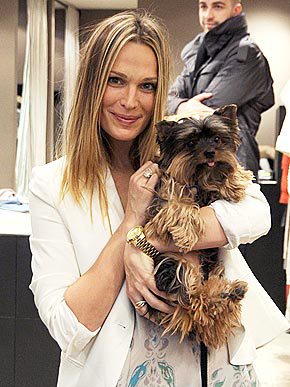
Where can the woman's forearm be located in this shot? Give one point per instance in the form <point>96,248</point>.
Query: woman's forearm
<point>245,221</point>
<point>92,296</point>
<point>214,235</point>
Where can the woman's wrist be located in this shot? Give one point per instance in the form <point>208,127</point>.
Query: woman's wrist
<point>128,224</point>
<point>163,247</point>
<point>133,220</point>
<point>214,235</point>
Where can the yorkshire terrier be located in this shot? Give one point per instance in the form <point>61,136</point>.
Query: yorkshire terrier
<point>198,166</point>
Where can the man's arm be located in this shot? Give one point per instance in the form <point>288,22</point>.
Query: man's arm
<point>237,82</point>
<point>240,82</point>
<point>180,99</point>
<point>179,92</point>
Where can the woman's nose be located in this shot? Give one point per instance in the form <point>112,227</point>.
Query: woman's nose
<point>129,99</point>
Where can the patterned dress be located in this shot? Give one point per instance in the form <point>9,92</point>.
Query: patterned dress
<point>156,361</point>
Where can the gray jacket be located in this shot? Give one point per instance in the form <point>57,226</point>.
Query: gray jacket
<point>228,63</point>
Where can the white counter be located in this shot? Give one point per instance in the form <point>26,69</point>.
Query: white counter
<point>14,223</point>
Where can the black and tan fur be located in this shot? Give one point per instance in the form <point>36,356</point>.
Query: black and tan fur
<point>199,166</point>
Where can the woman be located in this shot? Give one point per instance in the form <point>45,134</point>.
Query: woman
<point>83,205</point>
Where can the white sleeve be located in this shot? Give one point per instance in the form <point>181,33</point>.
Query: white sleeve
<point>245,221</point>
<point>54,266</point>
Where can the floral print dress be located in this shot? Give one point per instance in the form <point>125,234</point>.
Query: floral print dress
<point>162,361</point>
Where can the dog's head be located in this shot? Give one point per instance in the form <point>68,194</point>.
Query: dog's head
<point>193,149</point>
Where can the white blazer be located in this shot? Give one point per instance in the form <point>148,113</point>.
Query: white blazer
<point>65,243</point>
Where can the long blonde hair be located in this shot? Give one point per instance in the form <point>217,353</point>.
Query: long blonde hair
<point>86,148</point>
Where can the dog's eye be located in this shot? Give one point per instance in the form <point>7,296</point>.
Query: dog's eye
<point>217,139</point>
<point>191,143</point>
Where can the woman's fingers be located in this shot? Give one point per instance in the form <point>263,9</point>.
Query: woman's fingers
<point>137,299</point>
<point>157,303</point>
<point>141,191</point>
<point>148,164</point>
<point>156,299</point>
<point>151,284</point>
<point>147,173</point>
<point>146,302</point>
<point>139,295</point>
<point>140,282</point>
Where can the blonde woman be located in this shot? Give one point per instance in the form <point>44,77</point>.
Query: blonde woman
<point>84,204</point>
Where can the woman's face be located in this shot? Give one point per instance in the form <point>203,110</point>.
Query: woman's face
<point>130,93</point>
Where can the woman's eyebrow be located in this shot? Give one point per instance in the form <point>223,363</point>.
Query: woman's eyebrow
<point>118,73</point>
<point>151,79</point>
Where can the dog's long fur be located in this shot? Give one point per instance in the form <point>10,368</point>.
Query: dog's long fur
<point>198,166</point>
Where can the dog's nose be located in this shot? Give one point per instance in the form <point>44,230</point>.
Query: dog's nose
<point>209,154</point>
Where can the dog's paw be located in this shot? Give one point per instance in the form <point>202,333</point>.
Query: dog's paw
<point>219,313</point>
<point>235,291</point>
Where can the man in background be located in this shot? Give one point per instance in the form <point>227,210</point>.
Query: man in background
<point>223,65</point>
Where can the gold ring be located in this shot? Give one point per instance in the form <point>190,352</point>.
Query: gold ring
<point>140,304</point>
<point>148,173</point>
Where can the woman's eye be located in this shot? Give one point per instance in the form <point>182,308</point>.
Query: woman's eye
<point>115,81</point>
<point>148,86</point>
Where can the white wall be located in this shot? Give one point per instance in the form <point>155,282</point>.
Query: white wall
<point>8,90</point>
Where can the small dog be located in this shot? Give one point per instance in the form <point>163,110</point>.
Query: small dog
<point>198,166</point>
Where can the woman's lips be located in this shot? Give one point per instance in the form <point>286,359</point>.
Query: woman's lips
<point>124,119</point>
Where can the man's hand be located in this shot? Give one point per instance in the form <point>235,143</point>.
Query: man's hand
<point>195,104</point>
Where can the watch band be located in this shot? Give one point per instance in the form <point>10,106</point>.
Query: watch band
<point>146,247</point>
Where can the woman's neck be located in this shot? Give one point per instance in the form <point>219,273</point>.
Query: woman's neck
<point>122,170</point>
<point>120,156</point>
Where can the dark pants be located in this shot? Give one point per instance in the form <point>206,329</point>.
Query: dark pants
<point>243,249</point>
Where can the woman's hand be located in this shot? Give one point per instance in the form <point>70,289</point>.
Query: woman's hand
<point>140,194</point>
<point>140,282</point>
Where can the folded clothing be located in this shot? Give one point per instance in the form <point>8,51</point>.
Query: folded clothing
<point>6,193</point>
<point>14,204</point>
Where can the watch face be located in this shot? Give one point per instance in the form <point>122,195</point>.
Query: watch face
<point>134,233</point>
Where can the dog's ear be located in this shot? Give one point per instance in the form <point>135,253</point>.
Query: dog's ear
<point>227,111</point>
<point>164,129</point>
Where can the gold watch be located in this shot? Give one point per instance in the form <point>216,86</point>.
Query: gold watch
<point>137,238</point>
